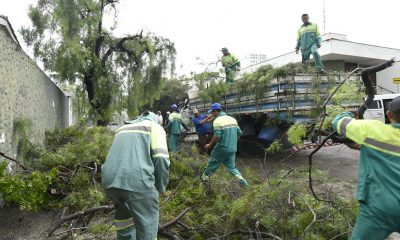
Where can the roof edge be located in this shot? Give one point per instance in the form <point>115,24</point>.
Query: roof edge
<point>4,21</point>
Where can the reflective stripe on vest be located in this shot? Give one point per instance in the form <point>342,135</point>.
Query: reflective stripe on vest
<point>158,142</point>
<point>371,133</point>
<point>343,125</point>
<point>224,122</point>
<point>122,224</point>
<point>382,145</point>
<point>143,127</point>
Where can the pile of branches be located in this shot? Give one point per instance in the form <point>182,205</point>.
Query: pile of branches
<point>277,207</point>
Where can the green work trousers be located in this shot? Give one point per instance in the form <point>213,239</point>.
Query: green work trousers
<point>219,157</point>
<point>173,140</point>
<point>305,54</point>
<point>230,75</point>
<point>136,214</point>
<point>374,224</point>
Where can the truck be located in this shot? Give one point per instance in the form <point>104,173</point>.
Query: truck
<point>289,99</point>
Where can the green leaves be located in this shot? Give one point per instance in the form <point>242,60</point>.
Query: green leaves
<point>275,147</point>
<point>71,40</point>
<point>29,191</point>
<point>296,133</point>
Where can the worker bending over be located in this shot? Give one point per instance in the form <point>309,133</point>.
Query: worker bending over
<point>135,172</point>
<point>231,65</point>
<point>309,40</point>
<point>226,134</point>
<point>174,128</point>
<point>203,128</point>
<point>378,174</point>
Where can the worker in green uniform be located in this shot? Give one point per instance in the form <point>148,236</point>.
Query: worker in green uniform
<point>309,40</point>
<point>226,134</point>
<point>231,65</point>
<point>135,172</point>
<point>379,172</point>
<point>174,128</point>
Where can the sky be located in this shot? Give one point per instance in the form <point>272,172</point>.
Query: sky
<point>201,28</point>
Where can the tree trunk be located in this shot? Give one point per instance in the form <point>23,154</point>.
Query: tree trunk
<point>100,110</point>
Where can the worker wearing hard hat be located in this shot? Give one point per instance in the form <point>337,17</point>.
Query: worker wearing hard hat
<point>226,134</point>
<point>231,65</point>
<point>135,172</point>
<point>308,41</point>
<point>378,174</point>
<point>203,128</point>
<point>174,128</point>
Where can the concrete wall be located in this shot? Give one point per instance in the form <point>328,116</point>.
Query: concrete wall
<point>334,65</point>
<point>26,92</point>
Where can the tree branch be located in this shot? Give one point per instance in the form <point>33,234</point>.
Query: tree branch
<point>59,222</point>
<point>314,218</point>
<point>14,160</point>
<point>119,47</point>
<point>175,220</point>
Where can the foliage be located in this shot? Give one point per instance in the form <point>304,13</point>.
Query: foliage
<point>64,166</point>
<point>75,146</point>
<point>257,82</point>
<point>284,209</point>
<point>210,89</point>
<point>29,191</point>
<point>72,39</point>
<point>22,132</point>
<point>280,202</point>
<point>172,92</point>
<point>215,92</point>
<point>275,147</point>
<point>99,228</point>
<point>296,133</point>
<point>349,92</point>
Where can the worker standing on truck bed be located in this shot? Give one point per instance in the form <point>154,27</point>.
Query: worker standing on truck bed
<point>308,41</point>
<point>226,134</point>
<point>203,128</point>
<point>135,172</point>
<point>174,128</point>
<point>379,172</point>
<point>231,65</point>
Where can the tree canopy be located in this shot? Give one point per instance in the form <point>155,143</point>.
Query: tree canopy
<point>72,39</point>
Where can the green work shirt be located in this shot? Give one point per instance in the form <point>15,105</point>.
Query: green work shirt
<point>138,159</point>
<point>174,123</point>
<point>230,61</point>
<point>307,36</point>
<point>379,167</point>
<point>228,132</point>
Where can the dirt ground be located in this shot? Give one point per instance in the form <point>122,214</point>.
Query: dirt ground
<point>18,225</point>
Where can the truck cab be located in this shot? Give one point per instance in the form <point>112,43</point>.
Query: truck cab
<point>379,106</point>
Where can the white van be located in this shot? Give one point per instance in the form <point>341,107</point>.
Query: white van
<point>379,106</point>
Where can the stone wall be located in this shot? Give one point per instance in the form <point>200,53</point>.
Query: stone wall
<point>26,93</point>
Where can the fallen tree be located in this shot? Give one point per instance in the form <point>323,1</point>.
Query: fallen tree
<point>65,177</point>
